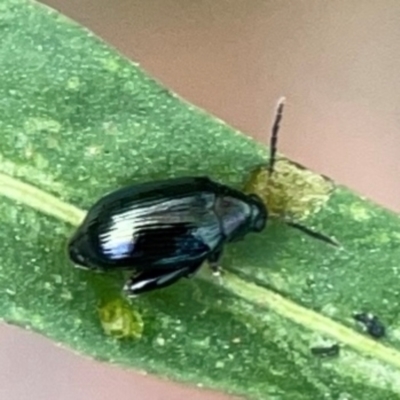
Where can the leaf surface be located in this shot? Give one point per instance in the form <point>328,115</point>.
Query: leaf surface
<point>77,121</point>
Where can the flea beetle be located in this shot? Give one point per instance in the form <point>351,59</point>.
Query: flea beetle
<point>164,230</point>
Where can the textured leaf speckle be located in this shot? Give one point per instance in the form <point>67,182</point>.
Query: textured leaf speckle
<point>78,120</point>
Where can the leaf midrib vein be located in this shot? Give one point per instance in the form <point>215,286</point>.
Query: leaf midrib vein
<point>50,205</point>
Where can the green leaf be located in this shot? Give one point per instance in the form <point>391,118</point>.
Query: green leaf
<point>77,121</point>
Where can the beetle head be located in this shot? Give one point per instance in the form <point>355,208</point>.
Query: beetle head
<point>259,213</point>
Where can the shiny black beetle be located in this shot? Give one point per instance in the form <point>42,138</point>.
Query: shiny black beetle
<point>164,230</point>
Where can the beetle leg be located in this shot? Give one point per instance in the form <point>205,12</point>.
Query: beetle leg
<point>193,269</point>
<point>147,281</point>
<point>213,261</point>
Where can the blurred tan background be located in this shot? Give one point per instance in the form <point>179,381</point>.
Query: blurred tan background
<point>336,62</point>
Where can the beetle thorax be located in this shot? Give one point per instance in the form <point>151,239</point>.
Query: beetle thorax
<point>234,215</point>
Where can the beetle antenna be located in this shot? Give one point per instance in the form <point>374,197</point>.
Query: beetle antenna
<point>312,233</point>
<point>273,144</point>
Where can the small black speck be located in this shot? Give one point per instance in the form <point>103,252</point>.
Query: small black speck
<point>326,351</point>
<point>371,323</point>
